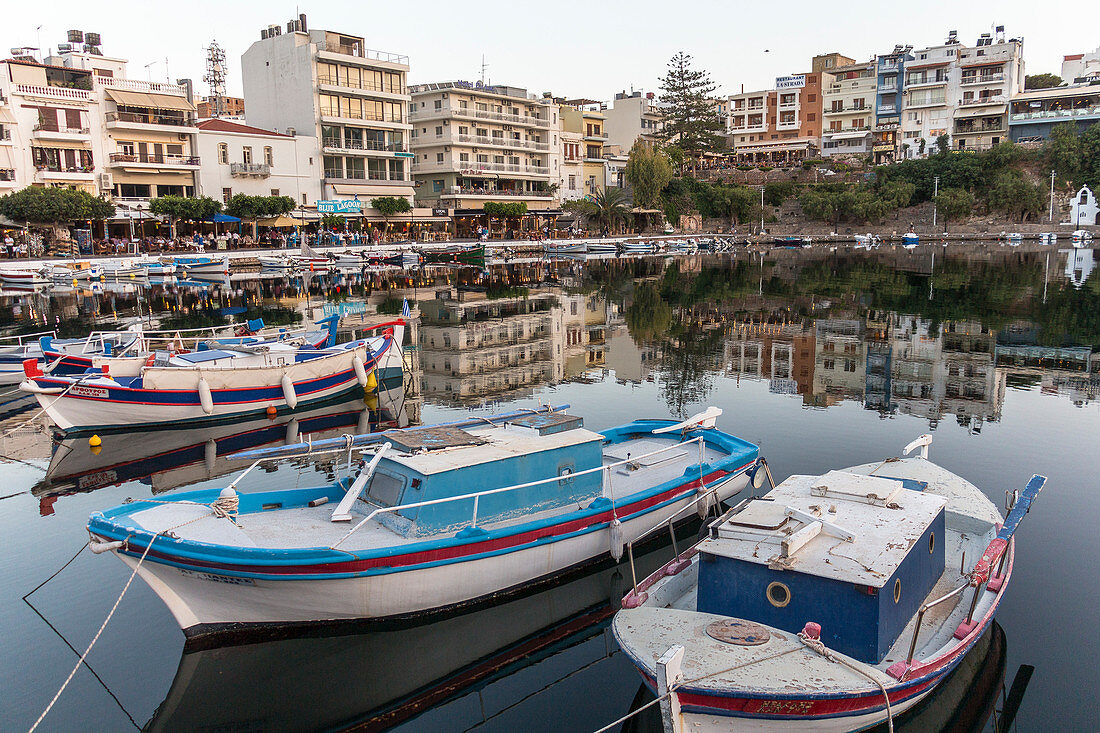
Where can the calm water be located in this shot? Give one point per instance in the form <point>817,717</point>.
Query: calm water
<point>825,359</point>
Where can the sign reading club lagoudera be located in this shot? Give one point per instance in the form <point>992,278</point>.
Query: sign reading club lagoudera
<point>796,81</point>
<point>339,207</point>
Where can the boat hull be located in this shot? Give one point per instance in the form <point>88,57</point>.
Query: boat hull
<point>210,600</point>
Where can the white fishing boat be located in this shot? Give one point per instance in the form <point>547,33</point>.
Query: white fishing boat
<point>440,518</point>
<point>277,262</point>
<point>69,272</point>
<point>23,277</point>
<point>565,247</point>
<point>832,603</point>
<point>1081,238</point>
<point>600,247</point>
<point>216,381</point>
<point>203,265</point>
<point>1048,238</point>
<point>14,350</point>
<point>637,247</point>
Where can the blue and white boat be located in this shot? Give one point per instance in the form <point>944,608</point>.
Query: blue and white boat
<point>832,603</point>
<point>565,247</point>
<point>638,247</point>
<point>215,382</point>
<point>910,239</point>
<point>440,518</point>
<point>195,265</point>
<point>14,350</point>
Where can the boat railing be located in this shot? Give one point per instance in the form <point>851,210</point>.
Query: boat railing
<point>184,337</point>
<point>920,618</point>
<point>476,496</point>
<point>18,339</point>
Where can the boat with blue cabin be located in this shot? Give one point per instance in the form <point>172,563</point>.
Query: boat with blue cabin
<point>439,518</point>
<point>910,239</point>
<point>832,603</point>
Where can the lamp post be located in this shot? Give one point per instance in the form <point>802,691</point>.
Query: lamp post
<point>935,197</point>
<point>1051,219</point>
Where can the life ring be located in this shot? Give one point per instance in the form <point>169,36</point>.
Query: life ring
<point>151,360</point>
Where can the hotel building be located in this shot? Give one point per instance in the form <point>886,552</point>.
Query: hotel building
<point>474,144</point>
<point>586,118</point>
<point>888,103</point>
<point>329,85</point>
<point>848,113</point>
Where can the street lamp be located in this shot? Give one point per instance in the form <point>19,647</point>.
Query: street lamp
<point>1051,197</point>
<point>935,198</point>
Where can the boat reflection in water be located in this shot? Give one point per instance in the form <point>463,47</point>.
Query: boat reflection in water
<point>169,459</point>
<point>963,703</point>
<point>345,676</point>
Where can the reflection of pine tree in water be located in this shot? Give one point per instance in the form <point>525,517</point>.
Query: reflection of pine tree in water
<point>649,317</point>
<point>688,368</point>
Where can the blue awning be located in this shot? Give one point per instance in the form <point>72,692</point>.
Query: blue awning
<point>223,219</point>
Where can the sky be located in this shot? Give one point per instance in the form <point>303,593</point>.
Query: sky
<point>570,48</point>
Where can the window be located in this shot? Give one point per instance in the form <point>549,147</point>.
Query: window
<point>439,130</point>
<point>464,157</point>
<point>572,183</point>
<point>274,192</point>
<point>303,199</point>
<point>439,104</point>
<point>354,168</point>
<point>223,152</point>
<point>246,154</point>
<point>437,185</point>
<point>463,130</point>
<point>498,158</point>
<point>439,157</point>
<point>227,193</point>
<point>269,156</point>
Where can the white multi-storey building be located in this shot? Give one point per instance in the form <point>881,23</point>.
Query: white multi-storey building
<point>248,160</point>
<point>475,144</point>
<point>354,100</point>
<point>961,92</point>
<point>77,121</point>
<point>632,116</point>
<point>848,110</point>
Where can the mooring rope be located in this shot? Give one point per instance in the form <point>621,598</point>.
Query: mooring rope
<point>818,646</point>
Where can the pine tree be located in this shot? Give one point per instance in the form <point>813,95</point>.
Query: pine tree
<point>691,121</point>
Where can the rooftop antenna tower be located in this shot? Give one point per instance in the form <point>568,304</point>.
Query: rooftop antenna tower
<point>215,76</point>
<point>484,68</point>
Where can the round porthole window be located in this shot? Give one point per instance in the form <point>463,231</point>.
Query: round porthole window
<point>897,590</point>
<point>931,543</point>
<point>779,595</point>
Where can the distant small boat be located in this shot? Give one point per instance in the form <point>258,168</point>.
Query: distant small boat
<point>23,277</point>
<point>1013,238</point>
<point>602,247</point>
<point>1048,238</point>
<point>637,247</point>
<point>463,254</point>
<point>203,265</point>
<point>1081,238</point>
<point>910,238</point>
<point>14,350</point>
<point>566,247</point>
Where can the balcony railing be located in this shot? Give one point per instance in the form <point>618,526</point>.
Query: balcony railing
<point>154,159</point>
<point>474,168</point>
<point>1046,114</point>
<point>249,169</point>
<point>887,109</point>
<point>335,81</point>
<point>353,115</point>
<point>7,174</point>
<point>981,78</point>
<point>33,90</point>
<point>151,118</point>
<point>139,85</point>
<point>357,175</point>
<point>502,142</point>
<point>479,114</point>
<point>473,191</point>
<point>365,53</point>
<point>995,99</point>
<point>54,127</point>
<point>345,144</point>
<point>919,81</point>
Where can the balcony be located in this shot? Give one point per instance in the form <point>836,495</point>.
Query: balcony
<point>848,110</point>
<point>498,192</point>
<point>887,109</point>
<point>346,84</point>
<point>149,121</point>
<point>367,54</point>
<point>918,82</point>
<point>7,176</point>
<point>338,116</point>
<point>47,131</point>
<point>335,144</point>
<point>888,87</point>
<point>245,170</point>
<point>147,160</point>
<point>64,173</point>
<point>469,168</point>
<point>980,101</point>
<point>1044,115</point>
<point>138,85</point>
<point>62,93</point>
<point>973,79</point>
<point>981,129</point>
<point>925,103</point>
<point>501,142</point>
<point>335,175</point>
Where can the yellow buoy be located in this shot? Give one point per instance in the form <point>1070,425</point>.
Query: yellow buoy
<point>372,381</point>
<point>95,441</point>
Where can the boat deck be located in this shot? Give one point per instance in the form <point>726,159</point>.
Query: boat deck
<point>783,664</point>
<point>308,527</point>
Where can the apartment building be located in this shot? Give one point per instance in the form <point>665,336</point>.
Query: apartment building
<point>231,108</point>
<point>632,116</point>
<point>848,110</point>
<point>961,92</point>
<point>256,162</point>
<point>354,100</point>
<point>571,153</point>
<point>474,144</point>
<point>782,126</point>
<point>586,118</point>
<point>1081,68</point>
<point>77,121</point>
<point>890,68</point>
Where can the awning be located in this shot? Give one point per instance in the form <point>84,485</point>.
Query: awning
<point>280,222</point>
<point>223,219</point>
<point>847,135</point>
<point>983,110</point>
<point>149,99</point>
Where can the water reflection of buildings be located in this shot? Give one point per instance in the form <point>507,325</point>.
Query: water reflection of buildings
<point>781,353</point>
<point>472,347</point>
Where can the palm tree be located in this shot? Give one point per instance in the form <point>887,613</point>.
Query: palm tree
<point>608,207</point>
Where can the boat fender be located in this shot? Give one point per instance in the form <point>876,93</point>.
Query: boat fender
<point>206,399</point>
<point>618,540</point>
<point>210,455</point>
<point>100,547</point>
<point>703,506</point>
<point>289,394</point>
<point>360,370</point>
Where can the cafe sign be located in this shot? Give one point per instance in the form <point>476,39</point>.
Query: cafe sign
<point>344,206</point>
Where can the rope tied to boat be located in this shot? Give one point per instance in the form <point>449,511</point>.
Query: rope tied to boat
<point>815,643</point>
<point>226,506</point>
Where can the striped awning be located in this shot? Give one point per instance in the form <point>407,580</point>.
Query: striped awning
<point>149,100</point>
